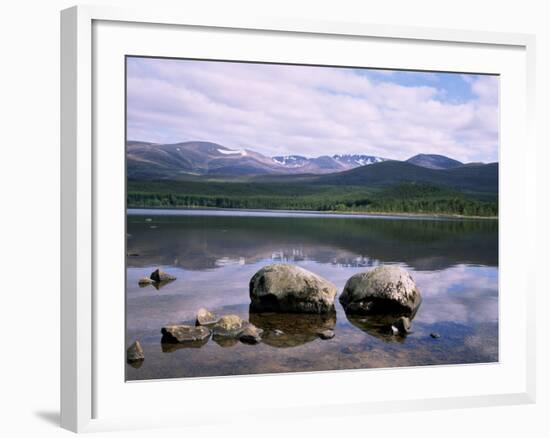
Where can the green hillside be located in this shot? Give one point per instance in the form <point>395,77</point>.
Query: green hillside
<point>390,186</point>
<point>400,198</point>
<point>482,178</point>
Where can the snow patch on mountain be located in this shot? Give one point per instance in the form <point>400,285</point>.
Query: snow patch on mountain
<point>240,152</point>
<point>357,160</point>
<point>291,160</point>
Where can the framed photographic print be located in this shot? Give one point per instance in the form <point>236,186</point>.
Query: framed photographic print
<point>331,210</point>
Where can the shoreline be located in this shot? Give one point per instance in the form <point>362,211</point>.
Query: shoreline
<point>334,213</point>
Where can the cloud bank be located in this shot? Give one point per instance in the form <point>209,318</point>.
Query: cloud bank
<point>283,109</point>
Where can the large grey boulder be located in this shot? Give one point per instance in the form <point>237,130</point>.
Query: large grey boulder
<point>288,288</point>
<point>384,289</point>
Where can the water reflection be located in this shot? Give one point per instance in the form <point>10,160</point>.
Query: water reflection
<point>135,363</point>
<point>225,341</point>
<point>156,284</point>
<point>379,326</point>
<point>211,242</point>
<point>454,263</point>
<point>283,330</point>
<point>169,347</point>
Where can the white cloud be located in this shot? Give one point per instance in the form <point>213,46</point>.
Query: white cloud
<point>279,109</point>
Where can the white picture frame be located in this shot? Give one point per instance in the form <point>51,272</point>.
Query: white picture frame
<point>82,191</point>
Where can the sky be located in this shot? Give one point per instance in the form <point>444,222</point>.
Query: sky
<point>280,109</point>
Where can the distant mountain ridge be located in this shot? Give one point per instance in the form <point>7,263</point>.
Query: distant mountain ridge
<point>167,161</point>
<point>434,161</point>
<point>151,161</point>
<point>479,178</point>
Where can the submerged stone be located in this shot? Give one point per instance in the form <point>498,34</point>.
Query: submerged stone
<point>290,289</point>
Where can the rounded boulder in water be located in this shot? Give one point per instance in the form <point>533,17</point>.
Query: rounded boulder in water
<point>287,288</point>
<point>384,289</point>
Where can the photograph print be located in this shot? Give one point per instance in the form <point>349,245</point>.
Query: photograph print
<point>294,218</point>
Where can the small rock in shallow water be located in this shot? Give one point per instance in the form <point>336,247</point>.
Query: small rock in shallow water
<point>229,325</point>
<point>135,352</point>
<point>204,317</point>
<point>435,335</point>
<point>326,334</point>
<point>278,332</point>
<point>251,335</point>
<point>184,333</point>
<point>394,330</point>
<point>160,276</point>
<point>403,325</point>
<point>145,281</point>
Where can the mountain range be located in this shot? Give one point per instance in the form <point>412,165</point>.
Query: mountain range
<point>154,161</point>
<point>148,161</point>
<point>203,174</point>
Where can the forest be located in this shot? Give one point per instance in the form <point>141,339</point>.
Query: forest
<point>406,198</point>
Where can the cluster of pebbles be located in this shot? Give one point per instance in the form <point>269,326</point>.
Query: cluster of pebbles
<point>207,324</point>
<point>226,331</point>
<point>386,293</point>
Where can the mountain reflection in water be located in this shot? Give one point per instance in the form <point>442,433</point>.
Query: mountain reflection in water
<point>209,240</point>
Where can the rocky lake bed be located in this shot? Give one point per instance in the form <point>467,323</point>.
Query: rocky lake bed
<point>214,296</point>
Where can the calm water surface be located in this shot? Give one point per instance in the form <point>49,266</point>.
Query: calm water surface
<point>214,254</point>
